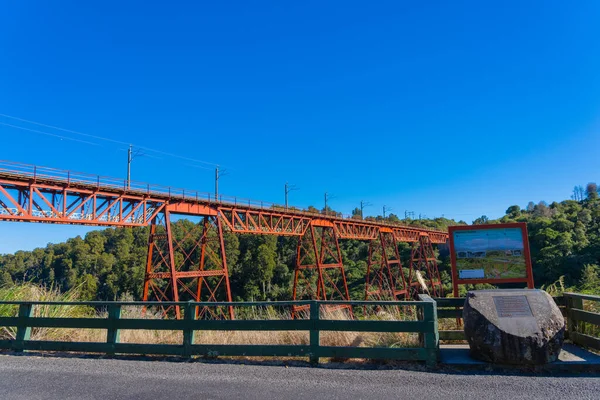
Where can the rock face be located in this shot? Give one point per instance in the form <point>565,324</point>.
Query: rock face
<point>513,326</point>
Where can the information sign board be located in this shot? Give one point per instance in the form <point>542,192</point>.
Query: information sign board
<point>497,253</point>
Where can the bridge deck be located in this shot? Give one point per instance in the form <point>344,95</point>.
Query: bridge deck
<point>39,194</point>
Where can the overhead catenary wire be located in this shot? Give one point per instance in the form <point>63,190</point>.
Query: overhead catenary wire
<point>144,154</point>
<point>219,172</point>
<point>63,129</point>
<point>198,166</point>
<point>49,134</point>
<point>97,137</point>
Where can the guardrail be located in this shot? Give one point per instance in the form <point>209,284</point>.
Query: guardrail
<point>315,324</point>
<point>583,325</point>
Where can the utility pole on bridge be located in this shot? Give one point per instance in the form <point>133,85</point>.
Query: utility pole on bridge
<point>327,197</point>
<point>363,204</point>
<point>129,158</point>
<point>217,183</point>
<point>218,174</point>
<point>288,189</point>
<point>386,209</point>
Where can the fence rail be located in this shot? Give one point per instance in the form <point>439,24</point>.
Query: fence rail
<point>582,324</point>
<point>113,323</point>
<point>452,308</point>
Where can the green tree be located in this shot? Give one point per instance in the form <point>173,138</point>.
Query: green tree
<point>481,220</point>
<point>109,263</point>
<point>590,279</point>
<point>513,211</point>
<point>591,191</point>
<point>578,193</point>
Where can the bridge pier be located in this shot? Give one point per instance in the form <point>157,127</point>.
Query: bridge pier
<point>319,272</point>
<point>385,278</point>
<point>198,273</point>
<point>424,261</point>
<point>190,264</point>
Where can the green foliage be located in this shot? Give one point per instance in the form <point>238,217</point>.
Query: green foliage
<point>481,220</point>
<point>109,264</point>
<point>557,288</point>
<point>591,191</point>
<point>513,211</point>
<point>31,292</point>
<point>590,280</point>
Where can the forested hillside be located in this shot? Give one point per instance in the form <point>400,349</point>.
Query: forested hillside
<point>106,264</point>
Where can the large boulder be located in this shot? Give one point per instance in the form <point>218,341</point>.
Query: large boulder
<point>513,326</point>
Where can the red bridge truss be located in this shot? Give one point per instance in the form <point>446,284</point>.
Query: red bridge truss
<point>195,265</point>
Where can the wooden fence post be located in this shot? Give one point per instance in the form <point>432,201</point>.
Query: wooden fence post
<point>430,339</point>
<point>573,327</point>
<point>113,333</point>
<point>23,328</point>
<point>421,317</point>
<point>188,331</point>
<point>314,332</point>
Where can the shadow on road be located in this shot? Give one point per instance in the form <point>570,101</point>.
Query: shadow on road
<point>334,364</point>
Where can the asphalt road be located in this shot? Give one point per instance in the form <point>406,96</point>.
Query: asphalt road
<point>32,377</point>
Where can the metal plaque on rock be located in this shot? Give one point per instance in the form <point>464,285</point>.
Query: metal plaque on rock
<point>512,306</point>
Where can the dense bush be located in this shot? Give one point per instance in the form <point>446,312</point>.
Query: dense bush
<point>106,264</point>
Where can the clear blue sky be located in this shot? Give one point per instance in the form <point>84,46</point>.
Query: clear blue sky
<point>454,108</point>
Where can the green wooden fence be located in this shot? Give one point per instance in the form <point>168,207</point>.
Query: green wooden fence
<point>450,308</point>
<point>583,329</point>
<point>571,305</point>
<point>425,325</point>
<point>583,325</point>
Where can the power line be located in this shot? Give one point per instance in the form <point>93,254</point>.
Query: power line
<point>64,130</point>
<point>49,134</point>
<point>151,156</point>
<point>164,153</point>
<point>197,166</point>
<point>97,138</point>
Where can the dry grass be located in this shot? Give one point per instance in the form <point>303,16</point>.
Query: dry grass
<point>30,292</point>
<point>328,338</point>
<point>449,324</point>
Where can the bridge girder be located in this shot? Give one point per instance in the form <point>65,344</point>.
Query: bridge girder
<point>36,194</point>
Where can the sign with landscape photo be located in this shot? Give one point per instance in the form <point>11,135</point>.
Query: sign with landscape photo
<point>490,253</point>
